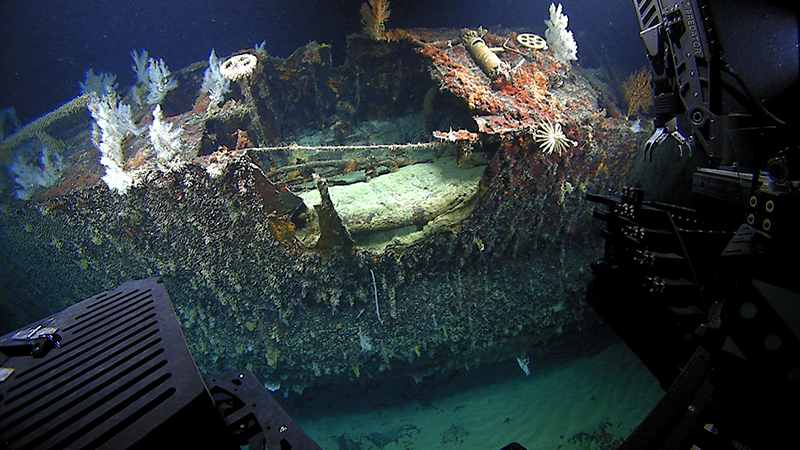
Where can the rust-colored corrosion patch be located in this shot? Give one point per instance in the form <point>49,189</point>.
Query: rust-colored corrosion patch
<point>502,106</point>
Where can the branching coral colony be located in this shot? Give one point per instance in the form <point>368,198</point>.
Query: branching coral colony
<point>559,39</point>
<point>637,92</point>
<point>214,83</point>
<point>113,121</point>
<point>153,79</point>
<point>374,15</point>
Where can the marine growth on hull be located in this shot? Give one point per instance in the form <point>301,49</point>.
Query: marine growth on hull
<point>416,209</point>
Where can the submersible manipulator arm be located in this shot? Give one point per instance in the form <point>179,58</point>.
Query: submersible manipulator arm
<point>677,47</point>
<point>704,295</point>
<point>691,78</point>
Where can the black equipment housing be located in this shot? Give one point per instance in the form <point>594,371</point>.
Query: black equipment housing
<point>114,371</point>
<point>708,295</point>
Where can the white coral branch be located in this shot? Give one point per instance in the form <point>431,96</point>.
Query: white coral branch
<point>112,124</point>
<point>559,39</point>
<point>165,139</point>
<point>214,83</point>
<point>160,81</point>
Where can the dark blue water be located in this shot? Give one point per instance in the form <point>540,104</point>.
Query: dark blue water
<point>47,45</point>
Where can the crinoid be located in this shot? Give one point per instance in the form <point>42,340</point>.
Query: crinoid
<point>551,138</point>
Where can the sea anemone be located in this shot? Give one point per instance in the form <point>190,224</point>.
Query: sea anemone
<point>552,139</point>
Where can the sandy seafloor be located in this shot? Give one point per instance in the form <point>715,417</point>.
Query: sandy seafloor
<point>591,400</point>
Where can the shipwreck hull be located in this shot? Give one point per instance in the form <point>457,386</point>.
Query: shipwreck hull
<point>496,276</point>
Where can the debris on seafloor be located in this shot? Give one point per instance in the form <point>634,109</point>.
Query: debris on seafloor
<point>405,200</point>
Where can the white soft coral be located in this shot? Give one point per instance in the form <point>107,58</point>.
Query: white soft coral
<point>165,139</point>
<point>559,39</point>
<point>31,177</point>
<point>113,123</point>
<point>160,81</point>
<point>214,83</point>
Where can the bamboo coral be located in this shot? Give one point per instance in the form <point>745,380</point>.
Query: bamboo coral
<point>637,92</point>
<point>373,18</point>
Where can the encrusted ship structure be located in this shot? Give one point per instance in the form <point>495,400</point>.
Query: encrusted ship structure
<point>400,214</point>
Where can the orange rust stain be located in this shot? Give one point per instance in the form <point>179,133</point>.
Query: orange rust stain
<point>283,229</point>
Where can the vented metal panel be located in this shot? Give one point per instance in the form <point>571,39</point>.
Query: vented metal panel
<point>648,13</point>
<point>122,370</point>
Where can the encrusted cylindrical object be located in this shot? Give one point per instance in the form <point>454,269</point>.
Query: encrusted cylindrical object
<point>487,60</point>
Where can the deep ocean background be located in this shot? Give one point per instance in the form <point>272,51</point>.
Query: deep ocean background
<point>47,45</point>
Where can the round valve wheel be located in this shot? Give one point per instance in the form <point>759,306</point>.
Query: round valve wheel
<point>531,40</point>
